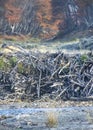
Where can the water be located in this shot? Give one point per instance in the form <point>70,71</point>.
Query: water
<point>16,111</point>
<point>72,118</point>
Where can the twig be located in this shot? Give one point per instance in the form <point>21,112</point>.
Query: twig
<point>38,86</point>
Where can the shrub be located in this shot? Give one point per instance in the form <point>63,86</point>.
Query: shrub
<point>13,61</point>
<point>52,120</point>
<point>20,67</point>
<point>4,64</point>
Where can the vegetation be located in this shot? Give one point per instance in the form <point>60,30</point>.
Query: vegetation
<point>7,64</point>
<point>84,57</point>
<point>52,119</point>
<point>89,117</point>
<point>13,61</point>
<point>4,64</point>
<point>45,19</point>
<point>21,67</point>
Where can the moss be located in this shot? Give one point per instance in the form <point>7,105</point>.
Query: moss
<point>20,67</point>
<point>84,57</point>
<point>4,64</point>
<point>13,61</point>
<point>34,40</point>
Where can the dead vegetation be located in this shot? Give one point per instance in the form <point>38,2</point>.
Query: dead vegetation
<point>52,120</point>
<point>29,75</point>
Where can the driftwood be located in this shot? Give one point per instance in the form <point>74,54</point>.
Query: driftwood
<point>58,75</point>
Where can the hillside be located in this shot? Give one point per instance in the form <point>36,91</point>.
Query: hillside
<point>45,19</point>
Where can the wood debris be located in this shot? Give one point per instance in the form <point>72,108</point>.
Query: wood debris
<point>57,75</point>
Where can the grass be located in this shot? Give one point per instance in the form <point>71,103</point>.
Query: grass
<point>89,117</point>
<point>52,120</point>
<point>13,61</point>
<point>34,40</point>
<point>4,64</point>
<point>7,63</point>
<point>84,58</point>
<point>18,38</point>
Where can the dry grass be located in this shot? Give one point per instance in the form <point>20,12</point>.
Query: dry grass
<point>52,119</point>
<point>19,38</point>
<point>89,117</point>
<point>14,37</point>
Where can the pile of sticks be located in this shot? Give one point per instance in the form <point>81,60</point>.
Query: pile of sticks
<point>57,75</point>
